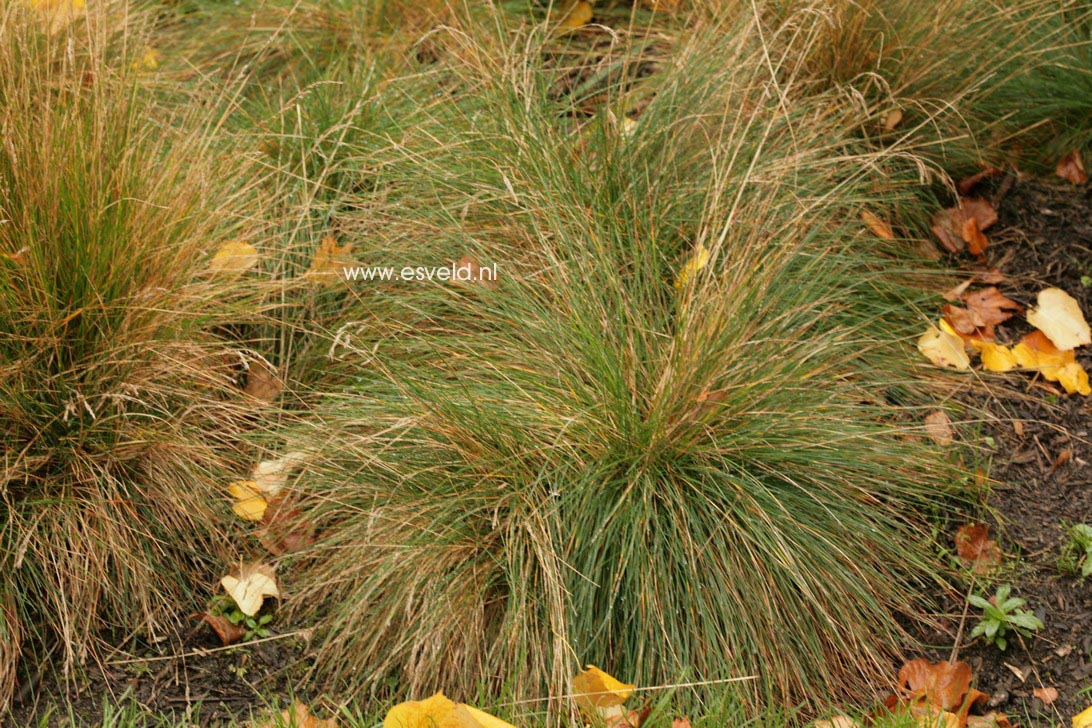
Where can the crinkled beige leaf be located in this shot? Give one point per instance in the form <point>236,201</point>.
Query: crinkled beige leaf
<point>943,347</point>
<point>271,475</point>
<point>1059,316</point>
<point>250,587</point>
<point>938,426</point>
<point>595,690</point>
<point>696,262</point>
<point>234,256</point>
<point>249,503</point>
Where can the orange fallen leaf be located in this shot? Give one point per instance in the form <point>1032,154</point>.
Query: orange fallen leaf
<point>1048,694</point>
<point>299,716</point>
<point>1071,168</point>
<point>330,260</point>
<point>228,632</point>
<point>941,687</point>
<point>977,549</point>
<point>683,722</point>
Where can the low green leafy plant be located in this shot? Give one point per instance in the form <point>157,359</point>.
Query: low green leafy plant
<point>1002,615</point>
<point>1076,557</point>
<point>256,626</point>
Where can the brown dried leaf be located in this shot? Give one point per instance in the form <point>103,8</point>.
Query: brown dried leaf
<point>967,183</point>
<point>1048,695</point>
<point>891,119</point>
<point>977,549</point>
<point>262,382</point>
<point>228,633</point>
<point>285,529</point>
<point>1071,168</point>
<point>958,226</point>
<point>939,427</point>
<point>683,722</point>
<point>991,306</point>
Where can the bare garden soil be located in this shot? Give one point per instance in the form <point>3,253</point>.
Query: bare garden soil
<point>1038,445</point>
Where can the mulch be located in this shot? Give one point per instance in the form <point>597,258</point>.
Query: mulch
<point>1039,451</point>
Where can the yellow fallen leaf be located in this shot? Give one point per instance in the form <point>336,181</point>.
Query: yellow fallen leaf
<point>330,259</point>
<point>250,587</point>
<point>691,267</point>
<point>234,256</point>
<point>943,347</point>
<point>595,691</point>
<point>249,503</point>
<point>1083,719</point>
<point>1059,316</point>
<point>438,711</point>
<point>574,14</point>
<point>1035,351</point>
<point>995,357</point>
<point>484,719</point>
<point>271,475</point>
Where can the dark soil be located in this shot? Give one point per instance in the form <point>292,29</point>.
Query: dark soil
<point>1040,466</point>
<point>191,678</point>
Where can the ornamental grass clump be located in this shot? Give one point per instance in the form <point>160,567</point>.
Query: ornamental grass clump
<point>118,399</point>
<point>663,442</point>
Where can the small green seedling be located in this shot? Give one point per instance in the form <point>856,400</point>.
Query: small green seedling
<point>1076,555</point>
<point>255,626</point>
<point>1002,615</point>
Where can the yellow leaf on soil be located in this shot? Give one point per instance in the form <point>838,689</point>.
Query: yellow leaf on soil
<point>439,711</point>
<point>943,347</point>
<point>250,587</point>
<point>249,503</point>
<point>574,14</point>
<point>1059,316</point>
<point>1036,351</point>
<point>595,690</point>
<point>1083,719</point>
<point>697,261</point>
<point>330,259</point>
<point>234,256</point>
<point>995,358</point>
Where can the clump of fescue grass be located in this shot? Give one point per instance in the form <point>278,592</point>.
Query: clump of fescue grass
<point>118,404</point>
<point>585,464</point>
